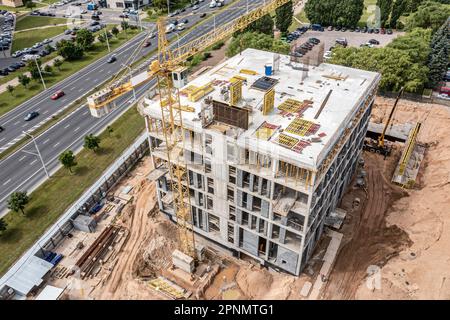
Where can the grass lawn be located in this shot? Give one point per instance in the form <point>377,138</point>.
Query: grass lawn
<point>29,22</point>
<point>29,38</point>
<point>21,94</point>
<point>55,195</point>
<point>301,16</point>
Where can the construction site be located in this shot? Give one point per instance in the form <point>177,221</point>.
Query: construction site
<point>267,177</point>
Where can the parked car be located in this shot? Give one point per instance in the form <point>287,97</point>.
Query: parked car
<point>30,116</point>
<point>185,21</point>
<point>58,94</point>
<point>389,31</point>
<point>373,41</point>
<point>4,72</point>
<point>1,129</point>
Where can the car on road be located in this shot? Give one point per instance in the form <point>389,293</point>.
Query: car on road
<point>203,15</point>
<point>147,44</point>
<point>196,7</point>
<point>1,129</point>
<point>111,59</point>
<point>123,15</point>
<point>58,94</point>
<point>30,116</point>
<point>181,27</point>
<point>185,21</point>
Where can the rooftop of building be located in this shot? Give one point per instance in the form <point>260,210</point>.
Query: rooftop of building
<point>291,129</point>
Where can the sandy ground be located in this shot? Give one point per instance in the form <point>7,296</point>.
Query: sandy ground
<point>422,270</point>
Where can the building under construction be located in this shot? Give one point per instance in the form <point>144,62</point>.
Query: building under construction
<point>270,145</point>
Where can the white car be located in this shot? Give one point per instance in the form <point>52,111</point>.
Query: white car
<point>443,96</point>
<point>213,4</point>
<point>29,57</point>
<point>181,27</point>
<point>170,28</point>
<point>327,55</point>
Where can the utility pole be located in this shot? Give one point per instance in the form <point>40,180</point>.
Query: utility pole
<point>38,154</point>
<point>168,7</point>
<point>40,74</point>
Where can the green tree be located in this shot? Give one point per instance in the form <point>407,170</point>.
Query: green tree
<point>85,39</point>
<point>161,4</point>
<point>429,14</point>
<point>69,50</point>
<point>264,25</point>
<point>438,59</point>
<point>17,201</point>
<point>48,69</point>
<point>257,41</point>
<point>101,38</point>
<point>396,67</point>
<point>334,12</point>
<point>115,31</point>
<point>49,48</point>
<point>398,9</point>
<point>24,80</point>
<point>57,63</point>
<point>33,69</point>
<point>92,142</point>
<point>10,89</point>
<point>283,16</point>
<point>110,130</point>
<point>67,159</point>
<point>124,25</point>
<point>30,5</point>
<point>3,225</point>
<point>385,10</point>
<point>416,43</point>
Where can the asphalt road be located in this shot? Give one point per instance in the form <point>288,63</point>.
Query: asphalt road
<point>22,171</point>
<point>74,87</point>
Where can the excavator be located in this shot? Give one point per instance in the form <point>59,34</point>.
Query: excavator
<point>379,145</point>
<point>170,74</point>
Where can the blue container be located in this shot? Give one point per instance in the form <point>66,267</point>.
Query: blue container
<point>268,70</point>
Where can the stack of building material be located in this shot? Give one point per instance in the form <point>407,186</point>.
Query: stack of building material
<point>90,262</point>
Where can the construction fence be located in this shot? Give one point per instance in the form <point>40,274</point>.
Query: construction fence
<point>96,193</point>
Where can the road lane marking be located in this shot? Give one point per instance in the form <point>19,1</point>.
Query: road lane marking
<point>64,100</point>
<point>46,141</point>
<point>22,158</point>
<point>16,123</point>
<point>84,113</point>
<point>6,182</point>
<point>46,111</point>
<point>81,89</point>
<point>87,79</point>
<point>76,129</point>
<point>32,162</point>
<point>56,144</point>
<point>5,138</point>
<point>24,125</point>
<point>66,126</point>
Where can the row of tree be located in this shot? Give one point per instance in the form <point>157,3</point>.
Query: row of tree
<point>422,13</point>
<point>19,199</point>
<point>345,13</point>
<point>415,61</point>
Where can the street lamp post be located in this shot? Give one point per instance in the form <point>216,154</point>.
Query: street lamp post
<point>38,153</point>
<point>40,74</point>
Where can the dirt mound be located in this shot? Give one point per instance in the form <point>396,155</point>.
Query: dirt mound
<point>254,281</point>
<point>421,270</point>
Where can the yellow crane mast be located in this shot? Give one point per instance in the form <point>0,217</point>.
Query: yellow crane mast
<point>165,69</point>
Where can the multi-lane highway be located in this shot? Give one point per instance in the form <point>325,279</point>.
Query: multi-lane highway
<point>22,171</point>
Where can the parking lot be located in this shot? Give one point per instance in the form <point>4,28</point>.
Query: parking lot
<point>354,39</point>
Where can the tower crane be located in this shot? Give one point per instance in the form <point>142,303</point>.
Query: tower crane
<point>170,76</point>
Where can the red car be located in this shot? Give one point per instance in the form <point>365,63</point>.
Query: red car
<point>58,94</point>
